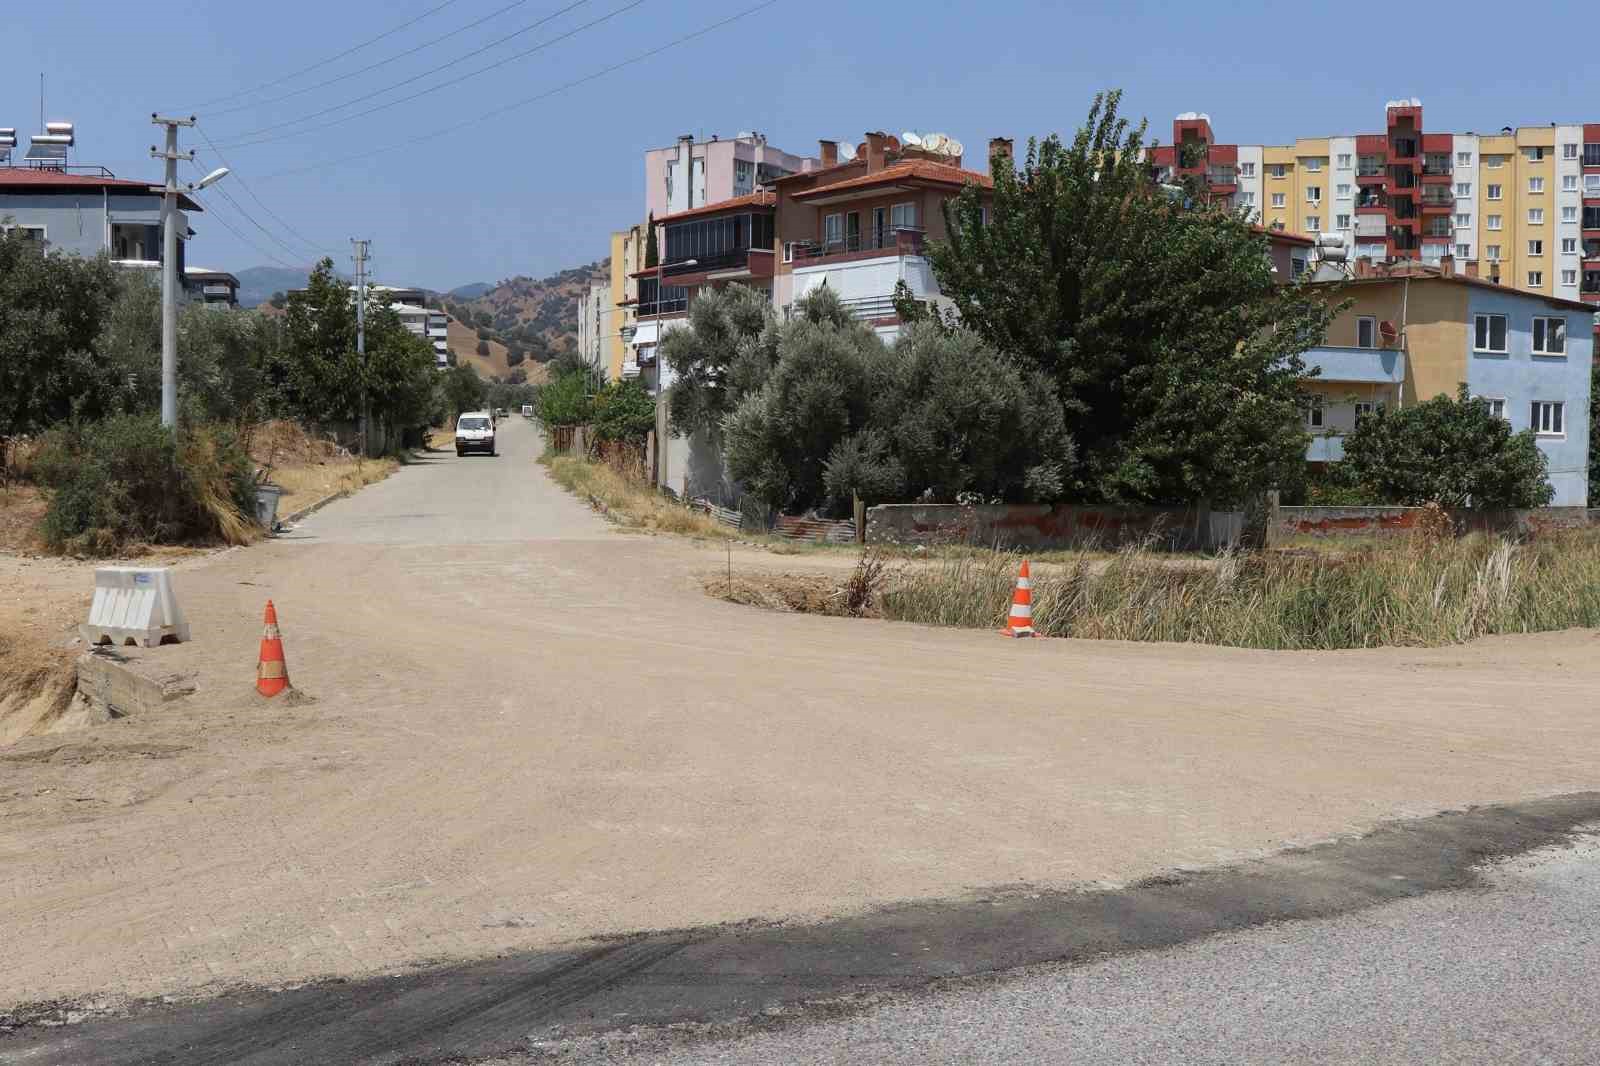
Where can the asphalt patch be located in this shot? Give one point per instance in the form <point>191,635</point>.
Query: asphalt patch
<point>718,981</point>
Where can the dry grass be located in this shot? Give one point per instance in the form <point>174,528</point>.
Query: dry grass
<point>22,507</point>
<point>36,685</point>
<point>305,485</point>
<point>632,504</point>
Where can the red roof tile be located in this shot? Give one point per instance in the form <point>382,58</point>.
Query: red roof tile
<point>912,170</point>
<point>35,178</point>
<point>755,199</point>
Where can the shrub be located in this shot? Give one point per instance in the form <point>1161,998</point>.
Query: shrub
<point>624,411</point>
<point>128,480</point>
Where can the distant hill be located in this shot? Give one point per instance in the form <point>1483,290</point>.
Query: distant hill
<point>539,316</point>
<point>470,292</point>
<point>257,284</point>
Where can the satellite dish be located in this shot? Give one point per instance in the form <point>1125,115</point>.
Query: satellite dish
<point>847,150</point>
<point>934,142</point>
<point>911,139</point>
<point>953,148</point>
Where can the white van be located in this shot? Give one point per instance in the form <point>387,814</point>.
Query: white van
<point>475,433</point>
<point>527,410</point>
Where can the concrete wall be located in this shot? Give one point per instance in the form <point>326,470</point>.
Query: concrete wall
<point>1043,526</point>
<point>1383,522</point>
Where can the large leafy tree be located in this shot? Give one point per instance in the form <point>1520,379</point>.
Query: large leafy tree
<point>1450,451</point>
<point>726,353</point>
<point>1171,346</point>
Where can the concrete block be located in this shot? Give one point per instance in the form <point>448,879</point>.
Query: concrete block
<point>134,605</point>
<point>119,686</point>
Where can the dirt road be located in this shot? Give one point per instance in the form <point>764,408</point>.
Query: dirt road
<point>530,728</point>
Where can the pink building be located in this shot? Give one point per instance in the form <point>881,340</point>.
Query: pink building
<point>690,175</point>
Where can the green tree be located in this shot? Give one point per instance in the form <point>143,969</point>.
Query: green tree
<point>651,255</point>
<point>1173,351</point>
<point>566,399</point>
<point>463,390</point>
<point>623,411</point>
<point>1454,452</point>
<point>483,348</point>
<point>319,377</point>
<point>726,353</point>
<point>278,300</point>
<point>52,309</point>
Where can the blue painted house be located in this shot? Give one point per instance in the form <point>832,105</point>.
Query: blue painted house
<point>1415,332</point>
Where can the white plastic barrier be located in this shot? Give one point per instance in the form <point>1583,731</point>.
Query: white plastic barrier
<point>134,605</point>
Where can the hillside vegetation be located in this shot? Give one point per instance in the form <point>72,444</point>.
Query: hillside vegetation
<point>537,317</point>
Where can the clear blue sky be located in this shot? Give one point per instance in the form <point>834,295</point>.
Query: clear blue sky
<point>538,188</point>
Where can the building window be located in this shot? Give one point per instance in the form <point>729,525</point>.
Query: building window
<point>1535,247</point>
<point>1313,410</point>
<point>1463,220</point>
<point>1569,183</point>
<point>1536,185</point>
<point>1495,404</point>
<point>1313,223</point>
<point>1549,335</point>
<point>1313,165</point>
<point>1569,246</point>
<point>1535,216</point>
<point>1343,192</point>
<point>1463,159</point>
<point>1463,251</point>
<point>1591,184</point>
<point>1367,332</point>
<point>1549,418</point>
<point>1247,170</point>
<point>1463,188</point>
<point>1364,409</point>
<point>832,230</point>
<point>1569,214</point>
<point>1494,162</point>
<point>1341,221</point>
<point>1313,194</point>
<point>1489,333</point>
<point>1493,222</point>
<point>30,233</point>
<point>1569,151</point>
<point>903,216</point>
<point>1277,170</point>
<point>1534,153</point>
<point>1247,199</point>
<point>1569,277</point>
<point>1277,199</point>
<point>1491,252</point>
<point>1535,279</point>
<point>1345,162</point>
<point>1494,192</point>
<point>1591,155</point>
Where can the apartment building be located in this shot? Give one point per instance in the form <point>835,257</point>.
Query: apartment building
<point>89,211</point>
<point>627,257</point>
<point>595,311</point>
<point>1522,203</point>
<point>859,226</point>
<point>1413,332</point>
<point>692,174</point>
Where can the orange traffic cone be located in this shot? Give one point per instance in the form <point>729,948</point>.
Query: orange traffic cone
<point>1020,624</point>
<point>272,673</point>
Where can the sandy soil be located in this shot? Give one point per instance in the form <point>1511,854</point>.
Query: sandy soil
<point>529,728</point>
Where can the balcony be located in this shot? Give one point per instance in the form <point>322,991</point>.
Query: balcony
<point>1438,197</point>
<point>1402,178</point>
<point>1372,199</point>
<point>903,241</point>
<point>1591,249</point>
<point>1437,166</point>
<point>1403,240</point>
<point>1361,366</point>
<point>1402,148</point>
<point>1371,225</point>
<point>1404,209</point>
<point>1369,167</point>
<point>1222,175</point>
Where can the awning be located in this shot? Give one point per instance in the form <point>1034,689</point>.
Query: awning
<point>646,333</point>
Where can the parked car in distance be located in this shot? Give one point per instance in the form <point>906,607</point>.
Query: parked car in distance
<point>475,433</point>
<point>527,410</point>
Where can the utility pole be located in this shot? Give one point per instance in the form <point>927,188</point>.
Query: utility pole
<point>361,332</point>
<point>169,266</point>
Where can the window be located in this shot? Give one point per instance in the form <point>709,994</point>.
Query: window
<point>1569,183</point>
<point>1549,418</point>
<point>1492,221</point>
<point>1463,159</point>
<point>1535,247</point>
<point>1569,151</point>
<point>1463,188</point>
<point>1569,214</point>
<point>1313,223</point>
<point>832,230</point>
<point>1341,221</point>
<point>1536,185</point>
<point>1534,154</point>
<point>1463,221</point>
<point>1569,277</point>
<point>1535,279</point>
<point>1277,170</point>
<point>29,233</point>
<point>1345,162</point>
<point>1569,246</point>
<point>1489,333</point>
<point>1313,410</point>
<point>1313,165</point>
<point>1591,184</point>
<point>1494,162</point>
<point>1367,332</point>
<point>1491,252</point>
<point>1463,251</point>
<point>1495,404</point>
<point>1248,199</point>
<point>1549,335</point>
<point>1535,216</point>
<point>1247,170</point>
<point>903,216</point>
<point>1591,155</point>
<point>1277,199</point>
<point>1313,194</point>
<point>1343,192</point>
<point>1494,192</point>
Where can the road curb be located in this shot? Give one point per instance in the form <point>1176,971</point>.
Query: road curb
<point>312,508</point>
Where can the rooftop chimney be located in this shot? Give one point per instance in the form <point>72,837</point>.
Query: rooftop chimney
<point>1447,266</point>
<point>1363,267</point>
<point>1000,146</point>
<point>1472,268</point>
<point>876,144</point>
<point>830,153</point>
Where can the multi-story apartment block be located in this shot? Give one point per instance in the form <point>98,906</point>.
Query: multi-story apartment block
<point>89,211</point>
<point>627,257</point>
<point>1414,332</point>
<point>692,174</point>
<point>595,310</point>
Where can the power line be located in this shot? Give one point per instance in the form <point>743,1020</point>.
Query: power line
<point>331,59</point>
<point>242,238</point>
<point>243,142</point>
<point>314,246</point>
<point>372,66</point>
<point>486,116</point>
<point>248,217</point>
